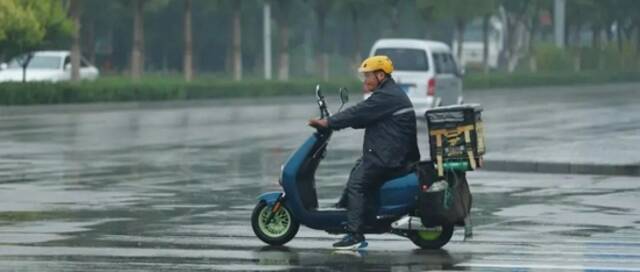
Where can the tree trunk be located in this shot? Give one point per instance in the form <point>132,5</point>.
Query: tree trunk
<point>577,58</point>
<point>309,52</point>
<point>460,24</point>
<point>514,50</point>
<point>237,40</point>
<point>533,64</point>
<point>24,63</point>
<point>595,37</point>
<point>165,59</point>
<point>485,42</point>
<point>619,35</point>
<point>107,65</point>
<point>188,42</point>
<point>75,46</point>
<point>609,33</point>
<point>357,57</point>
<point>395,18</point>
<point>283,48</point>
<point>638,39</point>
<point>567,34</point>
<point>323,57</point>
<point>137,50</point>
<point>596,45</point>
<point>505,54</point>
<point>90,41</point>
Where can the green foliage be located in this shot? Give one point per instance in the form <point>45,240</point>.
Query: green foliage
<point>19,27</point>
<point>156,88</point>
<point>517,80</point>
<point>460,9</point>
<point>28,24</point>
<point>614,59</point>
<point>162,88</point>
<point>550,58</point>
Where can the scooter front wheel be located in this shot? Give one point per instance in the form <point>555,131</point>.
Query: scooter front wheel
<point>433,238</point>
<point>273,228</point>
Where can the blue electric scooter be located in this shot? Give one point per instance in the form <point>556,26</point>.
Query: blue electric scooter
<point>278,215</point>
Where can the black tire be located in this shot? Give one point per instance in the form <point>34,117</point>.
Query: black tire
<point>430,239</point>
<point>279,231</point>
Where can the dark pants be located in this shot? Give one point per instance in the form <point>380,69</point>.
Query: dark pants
<point>361,195</point>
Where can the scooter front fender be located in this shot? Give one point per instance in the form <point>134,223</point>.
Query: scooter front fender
<point>270,198</point>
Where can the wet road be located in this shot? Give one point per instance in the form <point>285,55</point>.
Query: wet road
<point>170,186</point>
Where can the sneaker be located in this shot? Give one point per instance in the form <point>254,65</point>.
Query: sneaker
<point>351,242</point>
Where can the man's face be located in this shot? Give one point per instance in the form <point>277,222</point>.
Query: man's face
<point>371,81</point>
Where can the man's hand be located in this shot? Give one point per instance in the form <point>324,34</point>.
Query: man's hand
<point>318,123</point>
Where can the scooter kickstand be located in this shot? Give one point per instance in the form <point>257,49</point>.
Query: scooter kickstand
<point>468,228</point>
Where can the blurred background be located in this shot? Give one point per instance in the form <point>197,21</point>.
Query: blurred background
<point>289,39</point>
<point>171,185</point>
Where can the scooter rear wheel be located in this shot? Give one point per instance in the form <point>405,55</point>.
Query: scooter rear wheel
<point>279,230</point>
<point>432,239</point>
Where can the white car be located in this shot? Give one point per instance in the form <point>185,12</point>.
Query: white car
<point>425,70</point>
<point>50,66</point>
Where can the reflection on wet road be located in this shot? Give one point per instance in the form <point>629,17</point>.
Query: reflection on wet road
<point>165,187</point>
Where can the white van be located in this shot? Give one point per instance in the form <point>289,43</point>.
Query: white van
<point>426,71</point>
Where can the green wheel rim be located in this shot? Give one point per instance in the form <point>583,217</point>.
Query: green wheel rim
<point>279,225</point>
<point>430,234</point>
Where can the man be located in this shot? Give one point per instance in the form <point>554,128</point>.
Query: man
<point>390,142</point>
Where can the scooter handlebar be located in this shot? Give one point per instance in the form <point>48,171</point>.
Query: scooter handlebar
<point>322,104</point>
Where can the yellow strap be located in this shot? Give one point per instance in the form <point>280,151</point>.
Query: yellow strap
<point>450,133</point>
<point>467,140</point>
<point>445,131</point>
<point>439,154</point>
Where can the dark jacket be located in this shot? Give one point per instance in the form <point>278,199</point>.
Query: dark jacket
<point>390,126</point>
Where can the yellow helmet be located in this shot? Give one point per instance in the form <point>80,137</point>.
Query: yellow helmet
<point>376,63</point>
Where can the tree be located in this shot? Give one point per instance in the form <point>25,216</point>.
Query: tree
<point>321,8</point>
<point>28,24</point>
<point>75,47</point>
<point>425,9</point>
<point>53,17</point>
<point>188,42</point>
<point>282,8</point>
<point>355,8</point>
<point>20,30</point>
<point>137,50</point>
<point>236,37</point>
<point>532,24</point>
<point>516,11</point>
<point>462,11</point>
<point>395,18</point>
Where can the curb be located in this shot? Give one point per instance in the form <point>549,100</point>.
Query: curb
<point>562,168</point>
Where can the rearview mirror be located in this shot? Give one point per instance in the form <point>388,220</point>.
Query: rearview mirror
<point>344,95</point>
<point>318,92</point>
